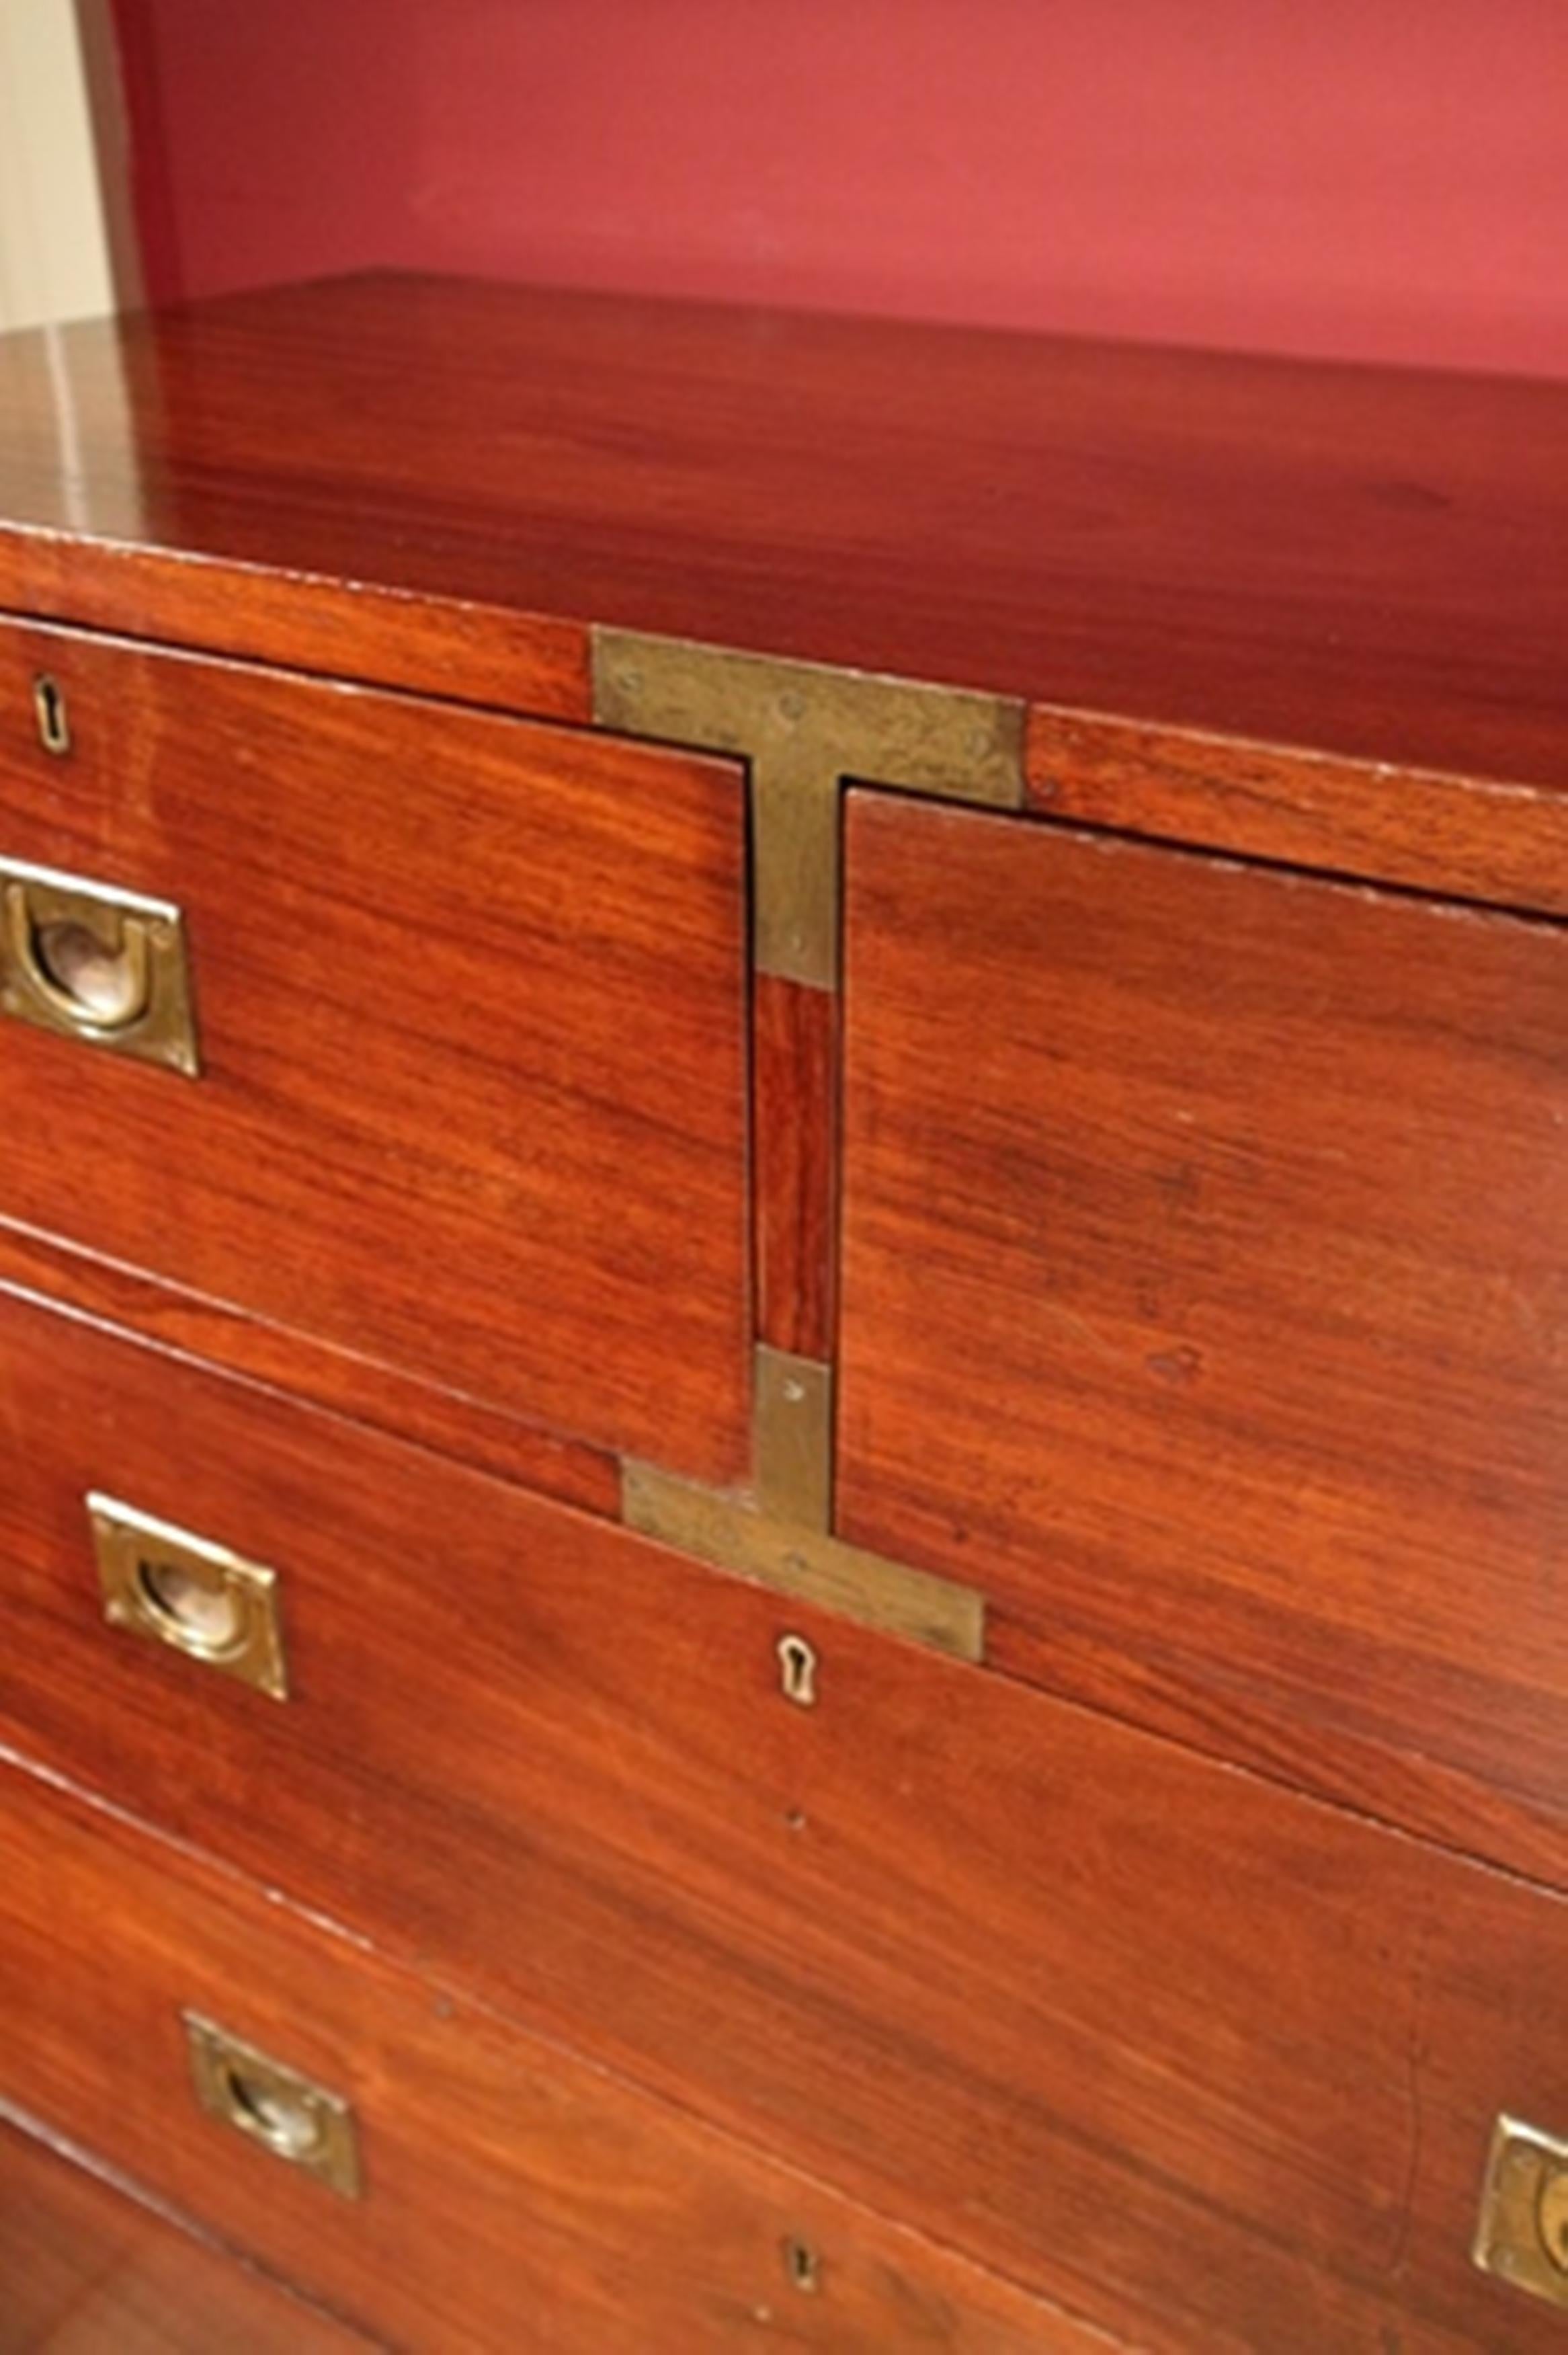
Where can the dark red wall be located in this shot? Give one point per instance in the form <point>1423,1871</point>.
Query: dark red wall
<point>1386,178</point>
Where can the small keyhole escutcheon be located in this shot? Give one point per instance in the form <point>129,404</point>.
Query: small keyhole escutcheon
<point>803,2266</point>
<point>797,1670</point>
<point>48,704</point>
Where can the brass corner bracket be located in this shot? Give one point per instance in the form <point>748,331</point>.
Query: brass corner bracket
<point>781,1535</point>
<point>804,727</point>
<point>730,1533</point>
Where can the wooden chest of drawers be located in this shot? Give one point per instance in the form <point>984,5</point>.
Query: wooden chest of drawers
<point>782,1327</point>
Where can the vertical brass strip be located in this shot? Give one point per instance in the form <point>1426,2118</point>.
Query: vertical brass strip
<point>803,728</point>
<point>792,1468</point>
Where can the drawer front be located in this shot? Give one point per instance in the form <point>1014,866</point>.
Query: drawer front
<point>1207,2061</point>
<point>470,1000</point>
<point>507,2194</point>
<point>86,2271</point>
<point>1204,1296</point>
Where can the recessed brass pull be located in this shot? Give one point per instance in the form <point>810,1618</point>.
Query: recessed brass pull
<point>92,963</point>
<point>181,1589</point>
<point>275,2106</point>
<point>1522,2235</point>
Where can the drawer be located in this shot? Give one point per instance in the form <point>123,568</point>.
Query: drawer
<point>501,2193</point>
<point>1211,2063</point>
<point>1205,1294</point>
<point>86,2271</point>
<point>470,1000</point>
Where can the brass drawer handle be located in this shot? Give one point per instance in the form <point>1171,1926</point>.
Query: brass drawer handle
<point>287,2114</point>
<point>183,1590</point>
<point>1522,2235</point>
<point>92,963</point>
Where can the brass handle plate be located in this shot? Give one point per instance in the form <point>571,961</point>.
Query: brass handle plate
<point>183,1590</point>
<point>89,962</point>
<point>1523,2236</point>
<point>274,2107</point>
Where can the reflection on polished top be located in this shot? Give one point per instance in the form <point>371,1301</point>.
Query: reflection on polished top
<point>1373,562</point>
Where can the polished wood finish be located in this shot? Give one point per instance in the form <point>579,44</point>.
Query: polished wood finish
<point>940,1939</point>
<point>1462,836</point>
<point>1366,561</point>
<point>795,1126</point>
<point>1199,1308</point>
<point>469,1429</point>
<point>92,497</point>
<point>1203,1298</point>
<point>471,1002</point>
<point>86,2270</point>
<point>509,2188</point>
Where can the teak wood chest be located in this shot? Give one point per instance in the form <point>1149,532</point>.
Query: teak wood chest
<point>784,1331</point>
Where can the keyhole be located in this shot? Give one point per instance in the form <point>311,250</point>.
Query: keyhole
<point>797,1670</point>
<point>803,2267</point>
<point>54,730</point>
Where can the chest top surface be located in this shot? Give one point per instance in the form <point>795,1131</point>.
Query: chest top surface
<point>1371,562</point>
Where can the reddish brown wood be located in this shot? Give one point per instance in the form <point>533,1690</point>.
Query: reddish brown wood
<point>795,1129</point>
<point>940,1939</point>
<point>1203,1286</point>
<point>416,1410</point>
<point>1461,836</point>
<point>507,2187</point>
<point>472,995</point>
<point>345,628</point>
<point>1366,561</point>
<point>84,2270</point>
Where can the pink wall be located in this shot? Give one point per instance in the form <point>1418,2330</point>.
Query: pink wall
<point>1377,178</point>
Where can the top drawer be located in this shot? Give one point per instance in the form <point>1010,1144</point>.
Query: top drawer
<point>1205,1298</point>
<point>470,995</point>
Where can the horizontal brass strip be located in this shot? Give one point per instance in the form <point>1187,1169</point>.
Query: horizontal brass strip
<point>822,1570</point>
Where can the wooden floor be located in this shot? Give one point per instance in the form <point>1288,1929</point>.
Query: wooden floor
<point>85,2271</point>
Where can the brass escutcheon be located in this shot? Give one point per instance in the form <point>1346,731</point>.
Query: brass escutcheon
<point>797,1670</point>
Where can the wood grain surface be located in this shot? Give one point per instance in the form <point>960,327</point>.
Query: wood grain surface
<point>1364,561</point>
<point>408,1405</point>
<point>472,999</point>
<point>1211,2063</point>
<point>86,2270</point>
<point>1203,1301</point>
<point>1503,844</point>
<point>513,2196</point>
<point>794,1144</point>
